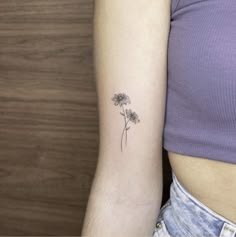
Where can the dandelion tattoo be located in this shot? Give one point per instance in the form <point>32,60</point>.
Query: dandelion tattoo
<point>122,99</point>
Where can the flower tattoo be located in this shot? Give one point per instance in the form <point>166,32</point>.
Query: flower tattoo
<point>122,99</point>
<point>132,116</point>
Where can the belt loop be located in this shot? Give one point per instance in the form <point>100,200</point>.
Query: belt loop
<point>228,231</point>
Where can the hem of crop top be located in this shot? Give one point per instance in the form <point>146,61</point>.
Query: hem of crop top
<point>217,154</point>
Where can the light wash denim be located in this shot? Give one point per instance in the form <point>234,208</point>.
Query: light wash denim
<point>183,216</point>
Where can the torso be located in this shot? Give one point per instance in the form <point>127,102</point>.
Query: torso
<point>201,101</point>
<point>212,182</point>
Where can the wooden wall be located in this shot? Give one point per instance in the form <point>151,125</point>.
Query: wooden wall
<point>48,116</point>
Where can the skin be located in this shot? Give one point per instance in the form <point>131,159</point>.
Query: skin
<point>212,182</point>
<point>130,55</point>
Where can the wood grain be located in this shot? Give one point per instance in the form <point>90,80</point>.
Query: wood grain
<point>48,116</point>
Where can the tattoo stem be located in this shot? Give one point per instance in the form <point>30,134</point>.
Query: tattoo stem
<point>125,129</point>
<point>125,123</point>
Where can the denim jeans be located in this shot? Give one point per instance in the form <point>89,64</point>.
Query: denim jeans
<point>184,215</point>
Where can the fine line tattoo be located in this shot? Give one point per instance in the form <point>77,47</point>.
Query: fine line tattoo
<point>122,99</point>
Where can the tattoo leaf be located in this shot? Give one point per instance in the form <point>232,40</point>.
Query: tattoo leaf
<point>127,128</point>
<point>122,114</point>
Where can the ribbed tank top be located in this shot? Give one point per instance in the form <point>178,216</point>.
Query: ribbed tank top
<point>200,117</point>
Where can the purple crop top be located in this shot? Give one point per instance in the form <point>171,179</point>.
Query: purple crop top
<point>200,118</point>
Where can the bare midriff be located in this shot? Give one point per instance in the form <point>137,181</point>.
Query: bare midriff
<point>212,182</point>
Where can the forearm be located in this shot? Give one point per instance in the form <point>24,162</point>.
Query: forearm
<point>124,205</point>
<point>130,39</point>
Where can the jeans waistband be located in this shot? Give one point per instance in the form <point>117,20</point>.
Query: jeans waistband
<point>197,217</point>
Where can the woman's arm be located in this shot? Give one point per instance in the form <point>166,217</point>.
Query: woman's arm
<point>130,42</point>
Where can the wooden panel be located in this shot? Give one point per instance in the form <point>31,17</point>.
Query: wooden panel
<point>48,116</point>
